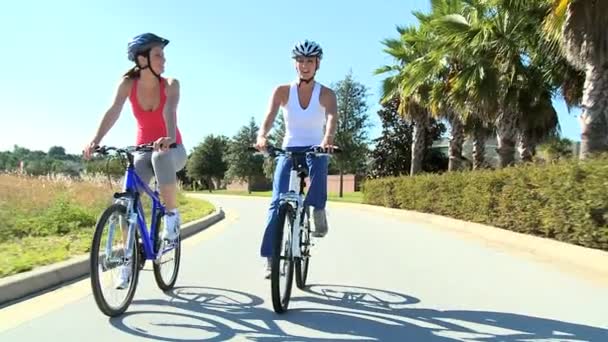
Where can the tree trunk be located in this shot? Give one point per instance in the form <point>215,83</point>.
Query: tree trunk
<point>210,184</point>
<point>420,119</point>
<point>341,183</point>
<point>526,147</point>
<point>594,119</point>
<point>479,147</point>
<point>506,126</point>
<point>249,184</point>
<point>456,141</point>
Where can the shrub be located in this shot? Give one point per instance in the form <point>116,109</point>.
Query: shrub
<point>566,201</point>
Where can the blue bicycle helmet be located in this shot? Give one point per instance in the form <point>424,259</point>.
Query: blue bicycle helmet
<point>141,45</point>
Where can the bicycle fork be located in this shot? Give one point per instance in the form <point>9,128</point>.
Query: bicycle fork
<point>296,201</point>
<point>131,221</point>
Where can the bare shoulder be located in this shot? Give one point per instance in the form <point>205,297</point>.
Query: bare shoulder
<point>124,86</point>
<point>327,95</point>
<point>282,89</point>
<point>281,93</point>
<point>172,86</point>
<point>172,83</point>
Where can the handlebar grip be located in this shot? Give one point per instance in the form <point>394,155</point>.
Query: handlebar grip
<point>319,149</point>
<point>101,150</point>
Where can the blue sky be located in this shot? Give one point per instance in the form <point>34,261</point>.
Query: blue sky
<point>62,60</point>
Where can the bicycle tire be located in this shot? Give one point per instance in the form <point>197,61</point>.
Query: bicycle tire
<point>160,282</point>
<point>100,300</point>
<point>142,254</point>
<point>281,303</point>
<point>302,264</point>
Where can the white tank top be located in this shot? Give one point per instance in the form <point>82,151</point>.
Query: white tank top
<point>303,127</point>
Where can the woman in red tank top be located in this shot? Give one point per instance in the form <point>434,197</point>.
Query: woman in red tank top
<point>154,102</point>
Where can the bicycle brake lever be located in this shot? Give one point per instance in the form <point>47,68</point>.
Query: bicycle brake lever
<point>101,150</point>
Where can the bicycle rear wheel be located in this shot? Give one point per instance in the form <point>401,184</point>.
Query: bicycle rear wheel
<point>166,267</point>
<point>110,251</point>
<point>282,260</point>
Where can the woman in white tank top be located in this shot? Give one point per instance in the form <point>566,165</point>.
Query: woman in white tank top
<point>308,108</point>
<point>303,127</point>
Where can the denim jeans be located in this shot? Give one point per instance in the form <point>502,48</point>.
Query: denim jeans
<point>315,197</point>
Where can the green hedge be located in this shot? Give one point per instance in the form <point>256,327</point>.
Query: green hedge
<point>566,201</point>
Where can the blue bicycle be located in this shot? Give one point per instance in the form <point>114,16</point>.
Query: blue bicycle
<point>123,248</point>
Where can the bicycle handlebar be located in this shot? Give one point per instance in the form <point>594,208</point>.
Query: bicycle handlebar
<point>104,150</point>
<point>275,151</point>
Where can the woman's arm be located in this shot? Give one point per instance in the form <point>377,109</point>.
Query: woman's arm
<point>111,115</point>
<point>170,110</point>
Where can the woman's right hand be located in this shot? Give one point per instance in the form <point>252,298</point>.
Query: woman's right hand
<point>261,143</point>
<point>88,150</point>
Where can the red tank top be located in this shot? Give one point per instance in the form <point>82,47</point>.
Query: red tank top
<point>151,124</point>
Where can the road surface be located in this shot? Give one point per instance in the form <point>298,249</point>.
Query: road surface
<point>373,278</point>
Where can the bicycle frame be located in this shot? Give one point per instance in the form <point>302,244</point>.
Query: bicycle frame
<point>135,213</point>
<point>132,183</point>
<point>295,197</point>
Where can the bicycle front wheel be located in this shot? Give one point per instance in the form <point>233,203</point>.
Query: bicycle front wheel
<point>114,261</point>
<point>166,267</point>
<point>282,266</point>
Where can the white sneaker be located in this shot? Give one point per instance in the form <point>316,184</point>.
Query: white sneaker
<point>122,280</point>
<point>172,221</point>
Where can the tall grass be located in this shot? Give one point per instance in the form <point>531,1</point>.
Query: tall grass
<point>50,218</point>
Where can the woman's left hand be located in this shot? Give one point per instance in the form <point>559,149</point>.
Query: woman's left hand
<point>162,143</point>
<point>328,144</point>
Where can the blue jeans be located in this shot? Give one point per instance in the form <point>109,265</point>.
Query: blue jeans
<point>315,197</point>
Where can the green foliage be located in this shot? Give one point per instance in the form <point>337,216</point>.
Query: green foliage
<point>46,221</point>
<point>392,154</point>
<point>353,121</point>
<point>207,161</point>
<point>242,163</point>
<point>57,152</point>
<point>61,218</point>
<point>555,149</point>
<point>112,166</point>
<point>37,163</point>
<point>565,201</point>
<point>275,138</point>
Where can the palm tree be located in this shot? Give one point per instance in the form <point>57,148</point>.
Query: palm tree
<point>496,39</point>
<point>482,83</point>
<point>579,26</point>
<point>405,50</point>
<point>540,124</point>
<point>478,131</point>
<point>433,71</point>
<point>479,64</point>
<point>539,120</point>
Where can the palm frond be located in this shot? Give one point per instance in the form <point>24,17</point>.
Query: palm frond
<point>386,68</point>
<point>390,89</point>
<point>395,48</point>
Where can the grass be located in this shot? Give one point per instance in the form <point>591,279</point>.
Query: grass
<point>351,197</point>
<point>44,220</point>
